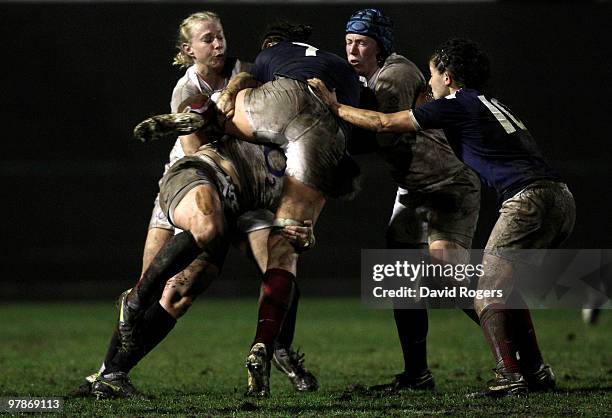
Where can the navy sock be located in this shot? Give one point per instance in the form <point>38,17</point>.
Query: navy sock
<point>155,326</point>
<point>412,327</point>
<point>173,257</point>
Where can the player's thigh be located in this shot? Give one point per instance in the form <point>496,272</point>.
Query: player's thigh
<point>449,252</point>
<point>454,209</point>
<point>200,211</point>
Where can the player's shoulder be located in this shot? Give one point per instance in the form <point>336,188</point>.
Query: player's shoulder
<point>188,83</point>
<point>447,102</point>
<point>469,99</point>
<point>266,55</point>
<point>185,79</point>
<point>185,87</point>
<point>400,69</point>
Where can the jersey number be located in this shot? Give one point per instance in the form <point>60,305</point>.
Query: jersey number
<point>501,112</point>
<point>311,51</point>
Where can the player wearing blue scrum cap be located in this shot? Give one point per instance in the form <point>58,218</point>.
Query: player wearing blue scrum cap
<point>438,198</point>
<point>537,209</point>
<point>372,23</point>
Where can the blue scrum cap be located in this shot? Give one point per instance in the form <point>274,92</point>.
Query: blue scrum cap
<point>372,23</point>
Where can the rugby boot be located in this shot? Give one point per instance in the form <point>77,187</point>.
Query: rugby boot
<point>85,388</point>
<point>258,368</point>
<point>541,380</point>
<point>502,385</point>
<point>127,326</point>
<point>291,363</point>
<point>168,126</point>
<point>115,385</point>
<point>403,381</point>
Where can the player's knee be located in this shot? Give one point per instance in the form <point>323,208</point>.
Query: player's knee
<point>443,252</point>
<point>182,306</point>
<point>206,231</point>
<point>441,244</point>
<point>203,216</point>
<point>178,294</point>
<point>178,307</point>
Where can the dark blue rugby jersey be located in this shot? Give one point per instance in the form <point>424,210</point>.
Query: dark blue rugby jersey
<point>301,62</point>
<point>487,137</point>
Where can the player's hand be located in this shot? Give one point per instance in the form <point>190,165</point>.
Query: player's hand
<point>301,237</point>
<point>226,104</point>
<point>329,97</point>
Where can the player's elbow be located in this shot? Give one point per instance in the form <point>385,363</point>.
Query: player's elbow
<point>385,125</point>
<point>395,123</point>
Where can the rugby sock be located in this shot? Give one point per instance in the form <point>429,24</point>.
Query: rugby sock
<point>156,324</point>
<point>496,323</point>
<point>123,361</point>
<point>113,347</point>
<point>530,356</point>
<point>273,304</point>
<point>287,332</point>
<point>526,340</point>
<point>172,258</point>
<point>412,326</point>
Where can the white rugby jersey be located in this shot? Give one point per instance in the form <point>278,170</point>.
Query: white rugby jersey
<point>189,85</point>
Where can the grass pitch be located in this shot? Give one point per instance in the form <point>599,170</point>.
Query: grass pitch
<point>47,349</point>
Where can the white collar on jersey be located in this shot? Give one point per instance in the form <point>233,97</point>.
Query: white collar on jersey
<point>451,96</point>
<point>372,80</point>
<point>203,86</point>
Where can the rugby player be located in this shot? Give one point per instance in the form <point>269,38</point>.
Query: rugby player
<point>202,51</point>
<point>285,112</point>
<point>438,197</point>
<point>537,209</point>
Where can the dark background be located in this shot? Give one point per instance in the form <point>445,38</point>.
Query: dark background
<point>78,190</point>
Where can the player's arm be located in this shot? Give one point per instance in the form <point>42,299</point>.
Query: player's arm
<point>192,142</point>
<point>227,99</point>
<point>397,122</point>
